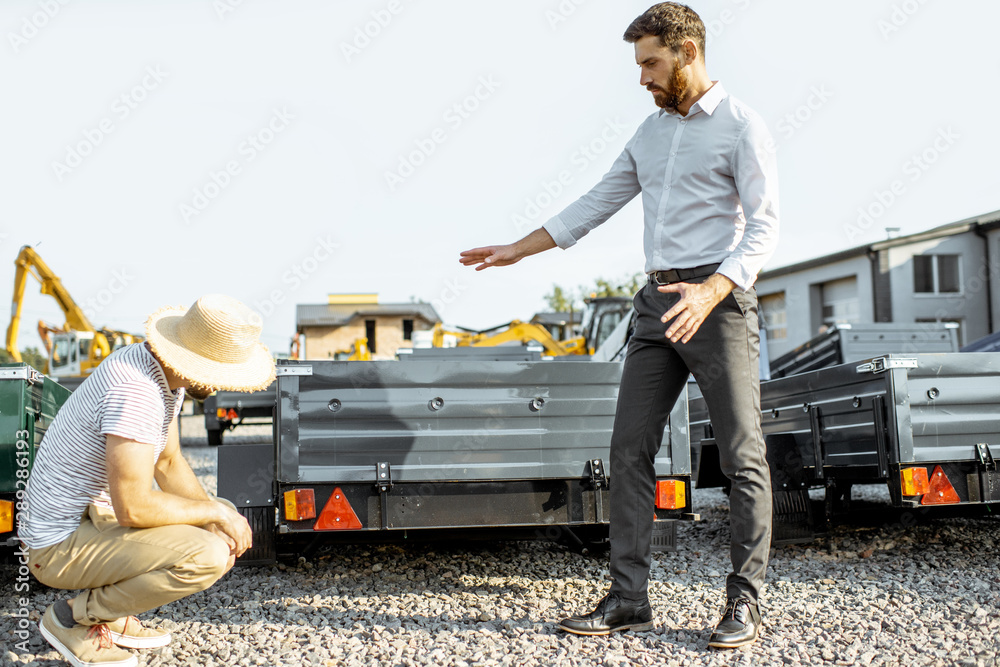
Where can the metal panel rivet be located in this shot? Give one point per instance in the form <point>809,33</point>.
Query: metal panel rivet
<point>435,403</point>
<point>856,402</point>
<point>774,413</point>
<point>536,404</point>
<point>334,405</point>
<point>805,407</point>
<point>933,393</point>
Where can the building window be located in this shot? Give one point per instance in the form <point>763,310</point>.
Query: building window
<point>370,334</point>
<point>407,329</point>
<point>937,274</point>
<point>840,301</point>
<point>775,317</point>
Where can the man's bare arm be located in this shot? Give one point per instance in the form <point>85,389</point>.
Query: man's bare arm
<point>505,255</point>
<point>138,505</point>
<point>173,473</point>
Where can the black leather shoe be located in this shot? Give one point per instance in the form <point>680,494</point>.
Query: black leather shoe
<point>611,615</point>
<point>739,625</point>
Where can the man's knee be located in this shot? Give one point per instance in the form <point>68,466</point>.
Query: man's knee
<point>208,558</point>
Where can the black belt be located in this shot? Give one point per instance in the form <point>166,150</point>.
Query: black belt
<point>680,275</point>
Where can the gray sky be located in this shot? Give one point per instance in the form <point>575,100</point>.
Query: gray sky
<point>280,151</point>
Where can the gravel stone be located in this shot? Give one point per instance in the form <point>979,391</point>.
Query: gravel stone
<point>909,590</point>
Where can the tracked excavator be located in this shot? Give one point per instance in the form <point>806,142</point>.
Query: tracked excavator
<point>74,349</point>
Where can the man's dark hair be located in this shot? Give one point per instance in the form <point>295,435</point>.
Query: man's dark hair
<point>673,23</point>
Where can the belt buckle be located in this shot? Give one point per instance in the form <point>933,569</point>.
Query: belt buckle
<point>670,279</point>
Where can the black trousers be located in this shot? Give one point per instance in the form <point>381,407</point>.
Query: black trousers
<point>723,356</point>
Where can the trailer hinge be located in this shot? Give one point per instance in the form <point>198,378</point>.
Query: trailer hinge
<point>599,481</point>
<point>383,482</point>
<point>23,373</point>
<point>883,364</point>
<point>293,370</point>
<point>985,456</point>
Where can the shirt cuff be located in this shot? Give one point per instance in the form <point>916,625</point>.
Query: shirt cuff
<point>559,232</point>
<point>732,269</point>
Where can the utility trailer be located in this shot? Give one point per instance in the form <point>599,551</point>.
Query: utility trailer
<point>388,450</point>
<point>29,402</point>
<point>926,425</point>
<point>225,410</point>
<point>842,343</point>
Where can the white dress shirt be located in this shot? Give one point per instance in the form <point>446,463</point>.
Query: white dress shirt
<point>709,189</point>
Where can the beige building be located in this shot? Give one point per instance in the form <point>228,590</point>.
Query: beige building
<point>328,331</point>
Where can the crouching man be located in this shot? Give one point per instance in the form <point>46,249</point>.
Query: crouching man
<point>95,522</point>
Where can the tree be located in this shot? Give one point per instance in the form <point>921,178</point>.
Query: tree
<point>34,358</point>
<point>29,355</point>
<point>561,300</point>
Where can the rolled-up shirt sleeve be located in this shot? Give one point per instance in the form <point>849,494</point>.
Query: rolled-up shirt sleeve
<point>617,188</point>
<point>755,171</point>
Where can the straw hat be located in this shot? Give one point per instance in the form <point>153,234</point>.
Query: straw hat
<point>214,344</point>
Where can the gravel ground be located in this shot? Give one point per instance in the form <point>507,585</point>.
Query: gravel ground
<point>913,591</point>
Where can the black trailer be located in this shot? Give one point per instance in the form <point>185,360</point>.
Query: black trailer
<point>926,425</point>
<point>225,410</point>
<point>388,450</point>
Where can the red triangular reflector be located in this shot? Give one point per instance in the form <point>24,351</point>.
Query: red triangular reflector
<point>942,492</point>
<point>337,514</point>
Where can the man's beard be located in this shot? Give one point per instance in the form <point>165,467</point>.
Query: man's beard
<point>676,90</point>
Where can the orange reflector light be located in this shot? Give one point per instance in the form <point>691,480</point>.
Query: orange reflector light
<point>300,504</point>
<point>220,413</point>
<point>6,516</point>
<point>232,414</point>
<point>337,514</point>
<point>941,491</point>
<point>670,494</point>
<point>913,481</point>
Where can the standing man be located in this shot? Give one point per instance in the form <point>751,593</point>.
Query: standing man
<point>94,520</point>
<point>704,167</point>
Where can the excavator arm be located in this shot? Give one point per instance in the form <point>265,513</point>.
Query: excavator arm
<point>29,263</point>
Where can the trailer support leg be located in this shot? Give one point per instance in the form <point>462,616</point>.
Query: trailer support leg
<point>383,482</point>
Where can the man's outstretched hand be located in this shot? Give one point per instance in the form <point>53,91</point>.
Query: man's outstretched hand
<point>697,301</point>
<point>492,255</point>
<point>505,255</point>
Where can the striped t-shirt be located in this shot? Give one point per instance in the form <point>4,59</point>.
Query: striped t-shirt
<point>128,396</point>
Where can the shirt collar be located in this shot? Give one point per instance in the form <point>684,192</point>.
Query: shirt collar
<point>708,102</point>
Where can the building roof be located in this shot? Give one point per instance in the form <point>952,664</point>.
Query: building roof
<point>323,315</point>
<point>985,222</point>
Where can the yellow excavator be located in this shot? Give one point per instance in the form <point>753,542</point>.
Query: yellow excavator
<point>74,349</point>
<point>600,317</point>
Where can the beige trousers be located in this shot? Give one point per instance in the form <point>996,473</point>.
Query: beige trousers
<point>126,571</point>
